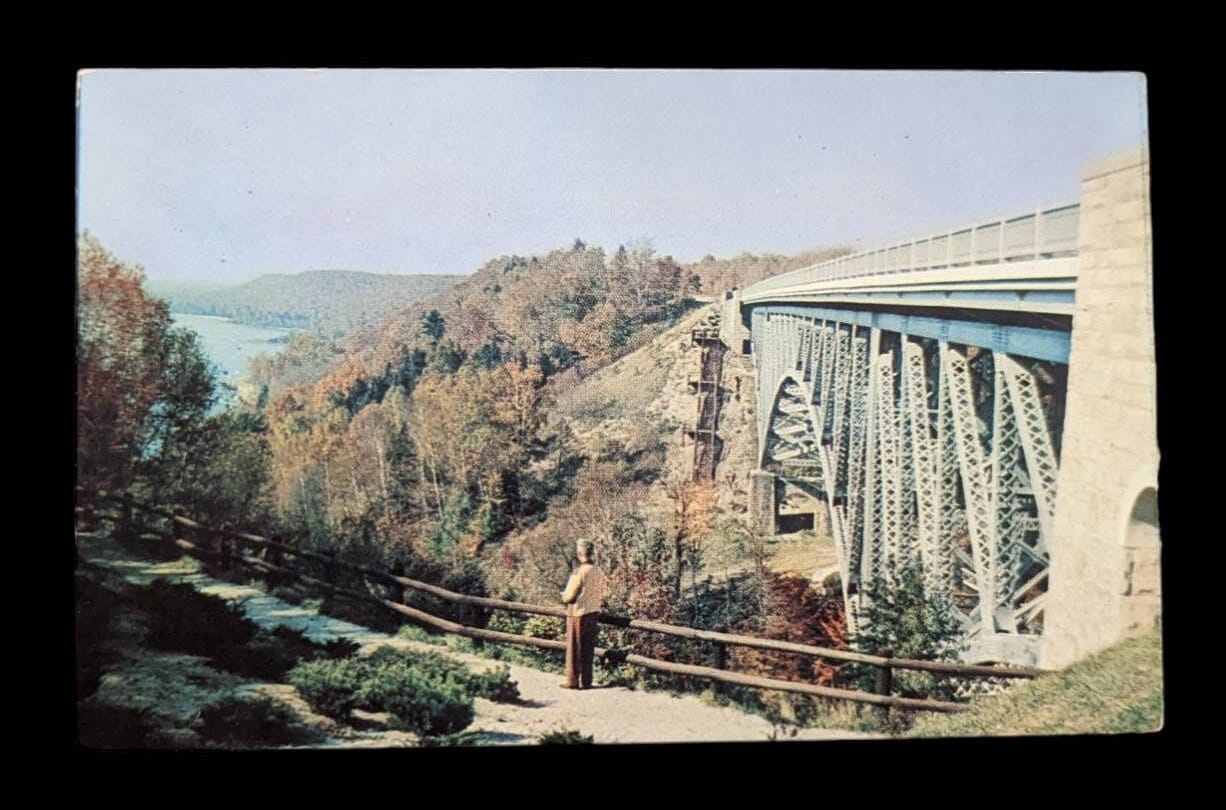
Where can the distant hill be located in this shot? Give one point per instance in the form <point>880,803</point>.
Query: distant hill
<point>328,302</point>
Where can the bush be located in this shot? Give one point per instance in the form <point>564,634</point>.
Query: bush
<point>425,692</point>
<point>184,620</point>
<point>494,684</point>
<point>253,720</point>
<point>272,653</point>
<point>95,606</point>
<point>416,633</point>
<point>101,725</point>
<point>418,703</point>
<point>329,686</point>
<point>912,624</point>
<point>565,737</point>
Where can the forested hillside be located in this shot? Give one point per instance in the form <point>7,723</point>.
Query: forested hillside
<point>717,276</point>
<point>431,430</point>
<point>432,444</point>
<point>327,302</point>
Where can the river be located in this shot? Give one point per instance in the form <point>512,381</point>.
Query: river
<point>229,344</point>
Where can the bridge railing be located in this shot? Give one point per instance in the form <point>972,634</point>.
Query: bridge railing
<point>220,543</point>
<point>1044,233</point>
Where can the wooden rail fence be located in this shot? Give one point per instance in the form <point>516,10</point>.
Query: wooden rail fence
<point>217,547</point>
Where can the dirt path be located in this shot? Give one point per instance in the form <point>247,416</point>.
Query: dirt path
<point>609,714</point>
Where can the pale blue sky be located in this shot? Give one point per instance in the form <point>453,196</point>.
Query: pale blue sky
<point>225,174</point>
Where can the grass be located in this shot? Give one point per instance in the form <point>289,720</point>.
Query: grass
<point>415,633</point>
<point>791,712</point>
<point>1117,691</point>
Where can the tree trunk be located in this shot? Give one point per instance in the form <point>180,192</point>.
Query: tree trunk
<point>382,471</point>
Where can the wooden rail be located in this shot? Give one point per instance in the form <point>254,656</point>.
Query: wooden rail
<point>886,663</point>
<point>722,676</point>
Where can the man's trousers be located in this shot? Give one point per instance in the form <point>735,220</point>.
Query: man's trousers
<point>580,650</point>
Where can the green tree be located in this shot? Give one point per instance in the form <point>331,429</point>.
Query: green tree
<point>176,424</point>
<point>145,402</point>
<point>911,623</point>
<point>488,356</point>
<point>433,324</point>
<point>447,358</point>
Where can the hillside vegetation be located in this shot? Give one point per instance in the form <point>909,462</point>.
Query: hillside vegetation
<point>327,302</point>
<point>716,276</point>
<point>467,440</point>
<point>1117,691</point>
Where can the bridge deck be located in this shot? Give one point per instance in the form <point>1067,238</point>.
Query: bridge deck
<point>1046,286</point>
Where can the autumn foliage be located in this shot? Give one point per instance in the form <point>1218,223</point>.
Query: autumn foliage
<point>120,358</point>
<point>795,612</point>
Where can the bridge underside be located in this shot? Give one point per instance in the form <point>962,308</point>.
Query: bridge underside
<point>930,441</point>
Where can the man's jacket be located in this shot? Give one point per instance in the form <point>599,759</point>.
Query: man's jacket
<point>585,590</point>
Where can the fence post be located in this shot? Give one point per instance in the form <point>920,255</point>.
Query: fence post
<point>885,681</point>
<point>125,517</point>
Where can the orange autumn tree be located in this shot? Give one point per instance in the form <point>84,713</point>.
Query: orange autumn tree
<point>120,356</point>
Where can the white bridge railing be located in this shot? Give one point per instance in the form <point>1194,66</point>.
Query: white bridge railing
<point>1045,233</point>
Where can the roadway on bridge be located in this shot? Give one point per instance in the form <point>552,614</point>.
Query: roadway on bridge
<point>609,714</point>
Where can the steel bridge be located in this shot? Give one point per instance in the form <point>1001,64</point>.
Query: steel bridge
<point>917,392</point>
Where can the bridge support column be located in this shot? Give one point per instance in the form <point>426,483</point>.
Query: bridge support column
<point>732,331</point>
<point>1104,581</point>
<point>762,502</point>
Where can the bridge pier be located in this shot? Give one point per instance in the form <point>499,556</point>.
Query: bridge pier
<point>732,330</point>
<point>762,512</point>
<point>1105,580</point>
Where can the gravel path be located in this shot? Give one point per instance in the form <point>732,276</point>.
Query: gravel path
<point>608,714</point>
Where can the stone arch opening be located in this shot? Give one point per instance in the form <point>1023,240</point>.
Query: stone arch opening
<point>1142,563</point>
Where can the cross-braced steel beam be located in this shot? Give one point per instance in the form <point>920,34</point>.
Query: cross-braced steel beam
<point>924,452</point>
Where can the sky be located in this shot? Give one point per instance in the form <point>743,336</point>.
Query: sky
<point>223,175</point>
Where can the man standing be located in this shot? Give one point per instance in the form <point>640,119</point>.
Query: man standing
<point>584,598</point>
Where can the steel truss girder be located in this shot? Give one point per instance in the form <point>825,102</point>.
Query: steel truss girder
<point>908,466</point>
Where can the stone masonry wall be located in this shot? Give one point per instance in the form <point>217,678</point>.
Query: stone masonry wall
<point>1105,551</point>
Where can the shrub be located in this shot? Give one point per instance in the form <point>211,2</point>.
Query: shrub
<point>418,703</point>
<point>912,624</point>
<point>494,684</point>
<point>95,606</point>
<point>272,653</point>
<point>253,720</point>
<point>425,692</point>
<point>416,633</point>
<point>185,620</point>
<point>329,686</point>
<point>565,737</point>
<point>101,725</point>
